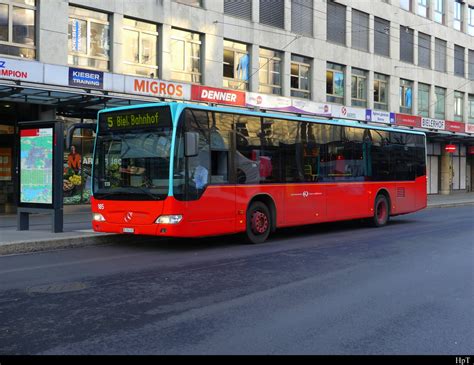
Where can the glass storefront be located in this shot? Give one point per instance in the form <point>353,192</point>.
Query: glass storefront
<point>78,164</point>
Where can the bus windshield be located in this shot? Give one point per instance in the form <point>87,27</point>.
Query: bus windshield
<point>132,155</point>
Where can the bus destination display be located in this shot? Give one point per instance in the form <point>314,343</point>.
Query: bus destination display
<point>36,166</point>
<point>135,120</point>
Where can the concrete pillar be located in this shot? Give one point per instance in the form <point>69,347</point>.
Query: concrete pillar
<point>371,33</point>
<point>446,172</point>
<point>348,27</point>
<point>212,54</point>
<point>256,11</point>
<point>116,53</point>
<point>394,96</point>
<point>348,86</point>
<point>414,98</point>
<point>415,47</point>
<point>254,66</point>
<point>164,58</point>
<point>53,35</point>
<point>287,15</point>
<point>285,74</point>
<point>370,90</point>
<point>432,105</point>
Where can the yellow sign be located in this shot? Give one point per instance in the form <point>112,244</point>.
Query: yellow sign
<point>132,120</point>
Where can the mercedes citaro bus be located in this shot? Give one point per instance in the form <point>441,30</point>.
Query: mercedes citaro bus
<point>188,170</point>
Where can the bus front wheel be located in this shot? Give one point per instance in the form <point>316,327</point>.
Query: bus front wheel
<point>381,211</point>
<point>259,222</point>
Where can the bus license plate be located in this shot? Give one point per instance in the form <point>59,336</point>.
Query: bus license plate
<point>128,230</point>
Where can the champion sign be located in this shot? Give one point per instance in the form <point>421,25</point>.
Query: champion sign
<point>218,96</point>
<point>21,70</point>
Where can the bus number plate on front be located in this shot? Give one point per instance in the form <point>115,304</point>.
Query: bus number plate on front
<point>128,230</point>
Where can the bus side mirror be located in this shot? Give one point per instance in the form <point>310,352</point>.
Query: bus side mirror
<point>191,144</point>
<point>72,128</point>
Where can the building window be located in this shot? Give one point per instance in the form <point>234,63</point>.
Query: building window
<point>471,109</point>
<point>336,23</point>
<point>272,12</point>
<point>470,20</point>
<point>423,8</point>
<point>457,17</point>
<point>360,30</point>
<point>440,55</point>
<point>359,87</point>
<point>300,76</point>
<point>440,102</point>
<point>190,2</point>
<point>380,91</point>
<point>89,36</point>
<point>406,96</point>
<point>236,65</point>
<point>185,56</point>
<point>335,83</point>
<point>269,72</point>
<point>302,17</point>
<point>140,41</point>
<point>238,8</point>
<point>458,106</point>
<point>459,61</point>
<point>424,50</point>
<point>406,44</point>
<point>405,4</point>
<point>18,28</point>
<point>471,64</point>
<point>438,11</point>
<point>382,37</point>
<point>424,100</point>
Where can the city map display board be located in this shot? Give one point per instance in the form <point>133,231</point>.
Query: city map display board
<point>36,166</point>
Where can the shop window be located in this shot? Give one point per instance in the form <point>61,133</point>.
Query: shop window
<point>457,16</point>
<point>359,87</point>
<point>89,35</point>
<point>236,65</point>
<point>440,103</point>
<point>185,56</point>
<point>78,165</point>
<point>269,71</point>
<point>336,23</point>
<point>300,76</point>
<point>458,106</point>
<point>335,83</point>
<point>380,91</point>
<point>140,41</point>
<point>470,109</point>
<point>406,44</point>
<point>18,28</point>
<point>406,96</point>
<point>438,11</point>
<point>424,100</point>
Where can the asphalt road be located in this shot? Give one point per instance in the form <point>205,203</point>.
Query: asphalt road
<point>326,289</point>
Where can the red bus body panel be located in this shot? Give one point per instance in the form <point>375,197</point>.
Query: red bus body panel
<point>222,208</point>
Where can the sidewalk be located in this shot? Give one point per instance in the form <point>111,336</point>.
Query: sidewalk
<point>78,229</point>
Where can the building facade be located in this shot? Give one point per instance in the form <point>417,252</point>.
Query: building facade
<point>407,63</point>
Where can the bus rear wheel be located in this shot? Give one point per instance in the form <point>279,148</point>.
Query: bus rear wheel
<point>381,211</point>
<point>259,222</point>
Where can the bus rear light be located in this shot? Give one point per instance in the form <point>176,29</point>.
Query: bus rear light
<point>169,219</point>
<point>98,217</point>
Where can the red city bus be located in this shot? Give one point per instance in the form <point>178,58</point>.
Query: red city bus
<point>185,170</point>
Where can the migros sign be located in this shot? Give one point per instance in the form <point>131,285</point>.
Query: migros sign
<point>157,88</point>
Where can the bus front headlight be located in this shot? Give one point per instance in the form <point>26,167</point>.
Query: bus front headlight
<point>169,219</point>
<point>98,217</point>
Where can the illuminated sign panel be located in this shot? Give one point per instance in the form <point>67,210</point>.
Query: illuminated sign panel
<point>139,119</point>
<point>36,166</point>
